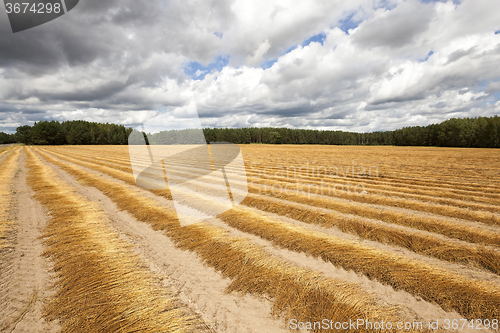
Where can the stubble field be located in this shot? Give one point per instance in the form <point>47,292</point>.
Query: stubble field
<point>327,234</point>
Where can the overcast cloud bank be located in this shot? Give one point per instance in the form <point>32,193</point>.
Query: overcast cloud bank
<point>360,65</point>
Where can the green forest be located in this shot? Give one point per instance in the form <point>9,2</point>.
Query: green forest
<point>78,132</point>
<point>480,132</point>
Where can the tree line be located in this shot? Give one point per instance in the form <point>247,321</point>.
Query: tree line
<point>7,138</point>
<point>295,136</point>
<point>78,132</point>
<point>480,132</point>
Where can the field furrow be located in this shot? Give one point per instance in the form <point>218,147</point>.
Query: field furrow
<point>296,291</point>
<point>345,189</point>
<point>435,192</point>
<point>430,182</point>
<point>429,230</point>
<point>393,162</point>
<point>101,285</point>
<point>474,233</point>
<point>359,258</point>
<point>425,244</point>
<point>463,230</point>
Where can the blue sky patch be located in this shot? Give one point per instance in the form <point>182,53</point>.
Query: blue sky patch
<point>270,62</point>
<point>197,71</point>
<point>348,23</point>
<point>456,2</point>
<point>427,56</point>
<point>345,25</point>
<point>319,38</point>
<point>430,1</point>
<point>388,5</point>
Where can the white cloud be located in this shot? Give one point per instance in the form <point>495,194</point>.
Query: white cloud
<point>408,63</point>
<point>258,55</point>
<point>395,28</point>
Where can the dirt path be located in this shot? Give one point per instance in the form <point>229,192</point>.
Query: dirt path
<point>26,279</point>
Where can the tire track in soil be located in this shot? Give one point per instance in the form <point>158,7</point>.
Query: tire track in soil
<point>27,272</point>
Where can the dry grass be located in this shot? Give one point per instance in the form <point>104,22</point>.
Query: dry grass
<point>424,164</point>
<point>297,292</point>
<point>428,244</point>
<point>470,174</point>
<point>441,195</point>
<point>459,230</point>
<point>7,172</point>
<point>102,286</point>
<point>449,290</point>
<point>447,207</point>
<point>452,291</point>
<point>437,247</point>
<point>435,202</point>
<point>465,172</point>
<point>425,244</point>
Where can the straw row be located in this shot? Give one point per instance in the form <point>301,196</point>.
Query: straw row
<point>452,291</point>
<point>7,172</point>
<point>436,193</point>
<point>402,183</point>
<point>448,289</point>
<point>463,200</point>
<point>453,229</point>
<point>422,243</point>
<point>419,242</point>
<point>102,286</point>
<point>428,181</point>
<point>397,167</point>
<point>425,244</point>
<point>447,207</point>
<point>374,178</point>
<point>438,205</point>
<point>458,230</point>
<point>297,292</point>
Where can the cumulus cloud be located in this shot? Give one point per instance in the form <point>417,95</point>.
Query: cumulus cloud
<point>399,63</point>
<point>397,27</point>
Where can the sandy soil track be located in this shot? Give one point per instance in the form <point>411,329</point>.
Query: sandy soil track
<point>26,276</point>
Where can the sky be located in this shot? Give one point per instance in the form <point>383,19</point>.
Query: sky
<point>358,65</point>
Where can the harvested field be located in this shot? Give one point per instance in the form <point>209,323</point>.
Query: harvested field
<point>366,234</point>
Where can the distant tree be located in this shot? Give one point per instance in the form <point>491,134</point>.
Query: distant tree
<point>248,137</point>
<point>7,138</point>
<point>274,138</point>
<point>77,132</point>
<point>23,134</point>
